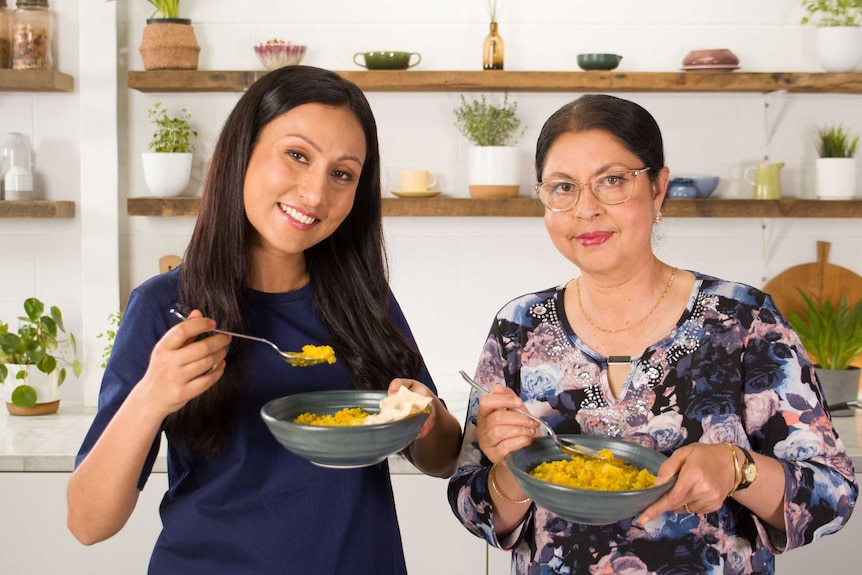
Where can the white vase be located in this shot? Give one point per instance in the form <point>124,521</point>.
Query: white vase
<point>836,178</point>
<point>45,385</point>
<point>839,47</point>
<point>494,171</point>
<point>167,175</point>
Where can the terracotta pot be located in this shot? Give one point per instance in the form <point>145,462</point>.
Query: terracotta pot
<point>169,44</point>
<point>494,172</point>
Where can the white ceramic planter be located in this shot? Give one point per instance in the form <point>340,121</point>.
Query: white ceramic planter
<point>494,171</point>
<point>839,48</point>
<point>836,178</point>
<point>167,175</point>
<point>45,385</point>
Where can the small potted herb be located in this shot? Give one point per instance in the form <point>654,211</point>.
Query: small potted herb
<point>168,167</point>
<point>494,161</point>
<point>836,168</point>
<point>833,336</point>
<point>839,32</point>
<point>33,360</point>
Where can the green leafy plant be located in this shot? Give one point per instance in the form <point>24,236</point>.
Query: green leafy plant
<point>37,343</point>
<point>167,8</point>
<point>835,142</point>
<point>109,334</point>
<point>833,335</point>
<point>833,12</point>
<point>487,125</point>
<point>173,135</point>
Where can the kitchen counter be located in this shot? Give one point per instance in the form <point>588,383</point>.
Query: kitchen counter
<point>48,443</point>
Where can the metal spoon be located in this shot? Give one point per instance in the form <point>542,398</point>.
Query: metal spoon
<point>293,358</point>
<point>564,444</point>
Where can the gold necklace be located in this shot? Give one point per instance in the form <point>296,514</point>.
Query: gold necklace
<point>631,327</point>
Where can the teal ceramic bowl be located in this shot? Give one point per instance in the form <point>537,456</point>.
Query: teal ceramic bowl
<point>334,446</point>
<point>599,61</point>
<point>587,506</point>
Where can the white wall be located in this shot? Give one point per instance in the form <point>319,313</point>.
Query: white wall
<point>450,274</point>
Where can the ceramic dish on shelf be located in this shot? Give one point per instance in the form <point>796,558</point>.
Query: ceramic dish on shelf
<point>415,193</point>
<point>710,68</point>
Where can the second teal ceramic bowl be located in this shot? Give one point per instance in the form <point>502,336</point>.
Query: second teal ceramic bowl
<point>599,61</point>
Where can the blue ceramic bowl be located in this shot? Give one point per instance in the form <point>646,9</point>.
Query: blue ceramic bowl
<point>704,185</point>
<point>681,188</point>
<point>585,505</point>
<point>339,446</point>
<point>599,61</point>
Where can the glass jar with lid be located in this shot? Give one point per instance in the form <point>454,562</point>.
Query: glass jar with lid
<point>31,35</point>
<point>5,44</point>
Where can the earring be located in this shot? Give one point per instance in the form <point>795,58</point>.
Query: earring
<point>658,218</point>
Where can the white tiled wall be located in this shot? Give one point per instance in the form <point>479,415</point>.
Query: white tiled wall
<point>452,274</point>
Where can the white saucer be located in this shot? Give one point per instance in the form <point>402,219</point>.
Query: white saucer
<point>710,68</point>
<point>415,193</point>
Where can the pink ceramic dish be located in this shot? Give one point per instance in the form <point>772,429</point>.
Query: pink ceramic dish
<point>718,57</point>
<point>274,54</point>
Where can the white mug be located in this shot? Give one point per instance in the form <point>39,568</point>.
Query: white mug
<point>417,180</point>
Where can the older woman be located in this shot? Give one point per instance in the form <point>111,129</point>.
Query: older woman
<point>704,370</point>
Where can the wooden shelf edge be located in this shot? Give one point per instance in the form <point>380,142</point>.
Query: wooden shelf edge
<point>530,207</point>
<point>35,81</point>
<point>515,81</point>
<point>36,209</point>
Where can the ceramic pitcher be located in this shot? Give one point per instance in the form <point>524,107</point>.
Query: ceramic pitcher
<point>767,180</point>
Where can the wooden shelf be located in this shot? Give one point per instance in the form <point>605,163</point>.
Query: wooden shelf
<point>36,209</point>
<point>35,81</point>
<point>529,207</point>
<point>477,81</point>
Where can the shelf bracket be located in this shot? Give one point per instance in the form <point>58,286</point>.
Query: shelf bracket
<point>773,108</point>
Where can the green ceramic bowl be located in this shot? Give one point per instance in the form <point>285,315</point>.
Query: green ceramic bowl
<point>585,505</point>
<point>386,60</point>
<point>599,61</point>
<point>333,446</point>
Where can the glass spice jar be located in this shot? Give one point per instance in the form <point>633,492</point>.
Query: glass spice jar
<point>31,35</point>
<point>5,50</point>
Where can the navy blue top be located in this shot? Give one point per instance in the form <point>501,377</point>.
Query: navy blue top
<point>257,508</point>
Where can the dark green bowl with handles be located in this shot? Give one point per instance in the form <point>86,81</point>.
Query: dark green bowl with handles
<point>596,61</point>
<point>587,506</point>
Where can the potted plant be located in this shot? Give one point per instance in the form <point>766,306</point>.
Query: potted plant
<point>839,32</point>
<point>33,361</point>
<point>494,161</point>
<point>836,167</point>
<point>833,337</point>
<point>169,42</point>
<point>168,166</point>
<point>109,334</point>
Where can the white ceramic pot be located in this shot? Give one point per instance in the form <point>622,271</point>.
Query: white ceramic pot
<point>839,48</point>
<point>836,178</point>
<point>167,175</point>
<point>45,385</point>
<point>494,171</point>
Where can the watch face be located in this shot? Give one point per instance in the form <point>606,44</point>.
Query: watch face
<point>750,473</point>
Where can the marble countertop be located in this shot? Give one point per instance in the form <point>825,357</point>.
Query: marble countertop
<point>48,443</point>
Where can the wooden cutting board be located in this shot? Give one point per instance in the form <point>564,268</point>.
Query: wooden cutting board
<point>822,279</point>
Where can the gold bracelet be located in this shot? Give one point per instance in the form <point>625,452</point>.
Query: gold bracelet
<point>737,471</point>
<point>492,480</point>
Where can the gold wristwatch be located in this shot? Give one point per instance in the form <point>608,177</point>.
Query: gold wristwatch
<point>749,470</point>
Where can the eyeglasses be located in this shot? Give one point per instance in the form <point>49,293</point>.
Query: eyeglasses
<point>609,189</point>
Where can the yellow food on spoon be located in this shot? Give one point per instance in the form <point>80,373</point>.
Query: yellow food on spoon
<point>313,355</point>
<point>604,474</point>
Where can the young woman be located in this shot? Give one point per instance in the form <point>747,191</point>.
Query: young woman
<point>287,246</point>
<point>704,370</point>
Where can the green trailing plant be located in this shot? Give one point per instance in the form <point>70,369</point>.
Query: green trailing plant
<point>833,12</point>
<point>38,342</point>
<point>835,142</point>
<point>833,335</point>
<point>487,125</point>
<point>109,334</point>
<point>173,135</point>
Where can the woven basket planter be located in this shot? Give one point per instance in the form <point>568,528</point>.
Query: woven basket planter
<point>170,44</point>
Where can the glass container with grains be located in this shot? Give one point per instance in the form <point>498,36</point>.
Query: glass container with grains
<point>31,35</point>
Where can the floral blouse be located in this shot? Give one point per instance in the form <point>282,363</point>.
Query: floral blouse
<point>731,370</point>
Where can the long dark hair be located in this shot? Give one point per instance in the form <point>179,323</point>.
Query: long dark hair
<point>348,271</point>
<point>629,122</point>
